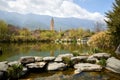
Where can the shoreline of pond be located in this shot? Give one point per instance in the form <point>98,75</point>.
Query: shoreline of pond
<point>59,63</point>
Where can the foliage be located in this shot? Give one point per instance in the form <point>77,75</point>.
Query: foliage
<point>77,33</point>
<point>48,35</point>
<point>11,33</point>
<point>102,62</point>
<point>113,22</point>
<point>3,30</point>
<point>67,60</point>
<point>15,71</point>
<point>100,40</point>
<point>76,53</point>
<point>94,50</point>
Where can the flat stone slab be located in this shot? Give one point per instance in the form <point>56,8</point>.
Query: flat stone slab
<point>38,59</point>
<point>100,55</point>
<point>113,64</point>
<point>36,65</point>
<point>59,57</point>
<point>49,58</point>
<point>79,58</point>
<point>92,60</point>
<point>86,67</point>
<point>13,63</point>
<point>55,66</point>
<point>27,59</point>
<point>66,55</point>
<point>3,66</point>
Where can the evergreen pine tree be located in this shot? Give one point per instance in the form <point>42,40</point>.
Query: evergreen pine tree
<point>113,23</point>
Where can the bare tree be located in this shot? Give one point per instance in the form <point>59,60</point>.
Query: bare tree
<point>98,27</point>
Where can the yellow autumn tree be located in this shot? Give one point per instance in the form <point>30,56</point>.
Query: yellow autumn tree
<point>100,40</point>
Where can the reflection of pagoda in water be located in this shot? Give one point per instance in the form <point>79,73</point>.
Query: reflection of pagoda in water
<point>52,24</point>
<point>51,53</point>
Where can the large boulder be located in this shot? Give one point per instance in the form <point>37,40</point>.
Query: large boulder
<point>27,59</point>
<point>113,64</point>
<point>38,59</point>
<point>100,55</point>
<point>118,50</point>
<point>86,67</point>
<point>48,59</point>
<point>36,65</point>
<point>59,57</point>
<point>3,66</point>
<point>56,66</point>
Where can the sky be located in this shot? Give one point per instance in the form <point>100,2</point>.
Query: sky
<point>83,9</point>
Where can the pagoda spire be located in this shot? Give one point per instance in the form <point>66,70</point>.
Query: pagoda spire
<point>52,24</point>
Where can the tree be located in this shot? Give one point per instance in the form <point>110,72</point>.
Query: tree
<point>3,30</point>
<point>113,23</point>
<point>98,27</point>
<point>100,40</point>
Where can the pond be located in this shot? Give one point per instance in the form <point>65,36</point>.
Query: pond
<point>14,51</point>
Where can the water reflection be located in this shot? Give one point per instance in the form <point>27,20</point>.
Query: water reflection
<point>15,50</point>
<point>68,75</point>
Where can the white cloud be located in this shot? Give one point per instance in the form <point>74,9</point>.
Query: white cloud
<point>55,8</point>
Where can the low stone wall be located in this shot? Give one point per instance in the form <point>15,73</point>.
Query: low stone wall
<point>62,62</point>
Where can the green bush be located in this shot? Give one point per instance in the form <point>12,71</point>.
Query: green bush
<point>94,50</point>
<point>67,60</point>
<point>15,71</point>
<point>76,53</point>
<point>102,62</point>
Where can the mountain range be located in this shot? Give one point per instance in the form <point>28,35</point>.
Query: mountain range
<point>33,21</point>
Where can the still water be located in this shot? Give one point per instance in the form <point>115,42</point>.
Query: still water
<point>14,51</point>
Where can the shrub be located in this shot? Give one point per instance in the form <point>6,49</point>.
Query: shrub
<point>76,53</point>
<point>67,60</point>
<point>102,62</point>
<point>100,40</point>
<point>15,71</point>
<point>94,50</point>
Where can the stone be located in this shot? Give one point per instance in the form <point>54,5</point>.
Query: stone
<point>78,59</point>
<point>113,64</point>
<point>36,65</point>
<point>118,50</point>
<point>59,57</point>
<point>24,71</point>
<point>87,67</point>
<point>56,66</point>
<point>92,60</point>
<point>49,58</point>
<point>100,55</point>
<point>77,71</point>
<point>27,59</point>
<point>3,75</point>
<point>38,59</point>
<point>3,66</point>
<point>13,63</point>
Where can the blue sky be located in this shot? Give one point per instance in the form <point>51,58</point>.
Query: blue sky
<point>83,9</point>
<point>101,6</point>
